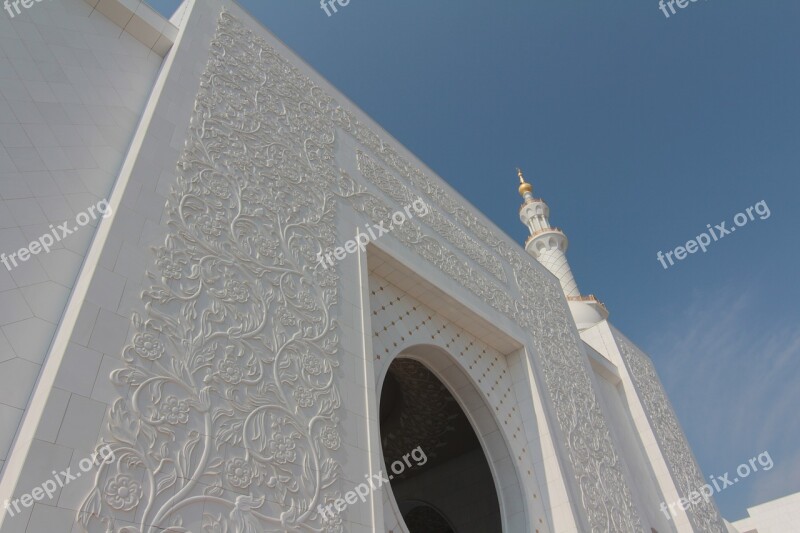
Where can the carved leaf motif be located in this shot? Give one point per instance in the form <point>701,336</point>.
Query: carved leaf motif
<point>127,427</point>
<point>91,508</point>
<point>185,455</point>
<point>166,481</point>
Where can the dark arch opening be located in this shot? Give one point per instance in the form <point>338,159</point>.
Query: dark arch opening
<point>434,456</point>
<point>421,517</point>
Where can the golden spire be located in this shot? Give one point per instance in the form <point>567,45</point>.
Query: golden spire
<point>523,187</point>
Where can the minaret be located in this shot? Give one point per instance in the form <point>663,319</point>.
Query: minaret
<point>548,245</point>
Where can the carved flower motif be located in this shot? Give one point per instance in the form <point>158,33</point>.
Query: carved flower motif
<point>286,318</point>
<point>220,187</point>
<point>330,438</point>
<point>307,302</point>
<point>267,246</point>
<point>325,278</point>
<point>230,372</point>
<point>175,411</point>
<point>170,264</point>
<point>313,365</point>
<point>239,472</point>
<point>237,291</point>
<point>254,194</point>
<point>303,396</point>
<point>148,346</point>
<point>282,447</point>
<point>123,493</point>
<point>209,225</point>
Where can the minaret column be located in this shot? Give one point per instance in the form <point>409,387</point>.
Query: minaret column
<point>548,245</point>
<point>552,257</point>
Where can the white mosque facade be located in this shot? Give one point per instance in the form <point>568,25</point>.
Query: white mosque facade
<point>280,304</point>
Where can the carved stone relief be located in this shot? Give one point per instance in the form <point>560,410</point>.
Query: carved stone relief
<point>231,399</point>
<point>435,219</point>
<point>671,439</point>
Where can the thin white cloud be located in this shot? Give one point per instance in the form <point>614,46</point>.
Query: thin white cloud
<point>732,375</point>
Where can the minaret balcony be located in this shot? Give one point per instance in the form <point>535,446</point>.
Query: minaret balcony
<point>556,232</point>
<point>534,208</point>
<point>531,201</point>
<point>588,298</point>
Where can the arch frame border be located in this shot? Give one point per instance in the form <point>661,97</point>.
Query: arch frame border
<point>426,361</point>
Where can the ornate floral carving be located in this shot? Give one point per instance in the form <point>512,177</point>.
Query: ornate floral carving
<point>239,473</point>
<point>245,320</point>
<point>430,248</point>
<point>435,219</point>
<point>122,493</point>
<point>232,403</point>
<point>684,469</point>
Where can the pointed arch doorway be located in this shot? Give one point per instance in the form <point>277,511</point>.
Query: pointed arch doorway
<point>451,490</point>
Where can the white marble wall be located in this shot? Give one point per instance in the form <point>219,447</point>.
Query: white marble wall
<point>72,89</point>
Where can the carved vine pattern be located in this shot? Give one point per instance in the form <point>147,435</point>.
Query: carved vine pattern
<point>435,219</point>
<point>671,439</point>
<point>231,403</point>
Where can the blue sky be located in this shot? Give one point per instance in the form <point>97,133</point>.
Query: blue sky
<point>638,130</point>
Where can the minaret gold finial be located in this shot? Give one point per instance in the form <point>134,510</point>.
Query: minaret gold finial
<point>523,187</point>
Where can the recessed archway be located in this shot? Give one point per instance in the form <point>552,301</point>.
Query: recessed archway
<point>484,371</point>
<point>449,486</point>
